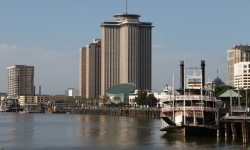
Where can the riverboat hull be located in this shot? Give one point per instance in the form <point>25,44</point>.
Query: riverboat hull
<point>190,130</point>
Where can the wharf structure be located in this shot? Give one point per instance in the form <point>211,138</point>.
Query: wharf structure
<point>153,112</point>
<point>234,124</point>
<point>233,119</point>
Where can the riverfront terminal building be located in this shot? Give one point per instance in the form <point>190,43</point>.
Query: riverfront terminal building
<point>90,70</point>
<point>126,52</point>
<point>20,80</point>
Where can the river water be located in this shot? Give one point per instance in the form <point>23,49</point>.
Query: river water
<point>33,131</point>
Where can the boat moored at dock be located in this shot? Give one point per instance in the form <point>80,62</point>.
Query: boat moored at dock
<point>192,109</point>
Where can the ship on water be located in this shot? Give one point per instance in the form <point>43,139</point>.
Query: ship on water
<point>192,109</point>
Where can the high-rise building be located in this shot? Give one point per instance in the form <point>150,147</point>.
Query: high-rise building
<point>237,54</point>
<point>90,70</point>
<point>242,75</point>
<point>126,52</point>
<point>20,80</point>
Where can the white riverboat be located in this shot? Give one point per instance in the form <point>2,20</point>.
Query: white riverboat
<point>191,110</point>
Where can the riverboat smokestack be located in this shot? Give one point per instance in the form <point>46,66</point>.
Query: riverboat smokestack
<point>203,72</point>
<point>181,74</point>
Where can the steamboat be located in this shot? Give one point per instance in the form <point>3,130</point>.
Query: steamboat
<point>192,109</point>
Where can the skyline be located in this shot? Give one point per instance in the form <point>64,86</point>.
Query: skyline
<point>48,35</point>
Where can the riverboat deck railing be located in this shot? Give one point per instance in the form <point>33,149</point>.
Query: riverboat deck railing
<point>188,108</point>
<point>189,97</point>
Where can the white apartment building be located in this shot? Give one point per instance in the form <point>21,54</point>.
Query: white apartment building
<point>72,92</point>
<point>237,54</point>
<point>242,75</point>
<point>20,80</point>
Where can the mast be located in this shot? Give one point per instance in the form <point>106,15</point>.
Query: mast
<point>126,6</point>
<point>202,76</point>
<point>184,103</point>
<point>202,101</point>
<point>173,98</point>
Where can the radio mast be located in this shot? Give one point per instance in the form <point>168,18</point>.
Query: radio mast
<point>126,6</point>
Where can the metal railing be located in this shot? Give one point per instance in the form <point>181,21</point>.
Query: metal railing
<point>239,109</point>
<point>193,108</point>
<point>189,97</point>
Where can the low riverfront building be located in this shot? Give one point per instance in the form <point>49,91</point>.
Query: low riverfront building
<point>44,99</point>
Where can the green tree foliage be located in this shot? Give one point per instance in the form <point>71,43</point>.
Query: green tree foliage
<point>245,95</point>
<point>221,89</point>
<point>151,100</point>
<point>141,97</point>
<point>117,99</point>
<point>103,99</point>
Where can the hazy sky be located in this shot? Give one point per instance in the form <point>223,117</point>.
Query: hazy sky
<point>47,34</point>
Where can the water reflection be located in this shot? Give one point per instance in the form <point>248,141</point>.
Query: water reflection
<point>180,142</point>
<point>17,127</point>
<point>115,130</point>
<point>61,131</point>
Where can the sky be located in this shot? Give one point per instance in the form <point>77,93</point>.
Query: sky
<point>48,34</point>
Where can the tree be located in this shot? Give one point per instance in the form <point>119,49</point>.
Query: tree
<point>103,99</point>
<point>83,100</point>
<point>141,97</point>
<point>151,100</point>
<point>243,93</point>
<point>221,89</point>
<point>117,99</point>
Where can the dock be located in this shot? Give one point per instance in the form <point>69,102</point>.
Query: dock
<point>235,124</point>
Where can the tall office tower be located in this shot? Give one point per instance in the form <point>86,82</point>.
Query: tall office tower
<point>90,70</point>
<point>237,54</point>
<point>126,52</point>
<point>20,80</point>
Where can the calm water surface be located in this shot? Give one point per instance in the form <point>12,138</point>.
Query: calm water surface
<point>66,132</point>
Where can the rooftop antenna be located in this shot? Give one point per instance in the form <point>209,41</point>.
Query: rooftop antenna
<point>217,72</point>
<point>126,6</point>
